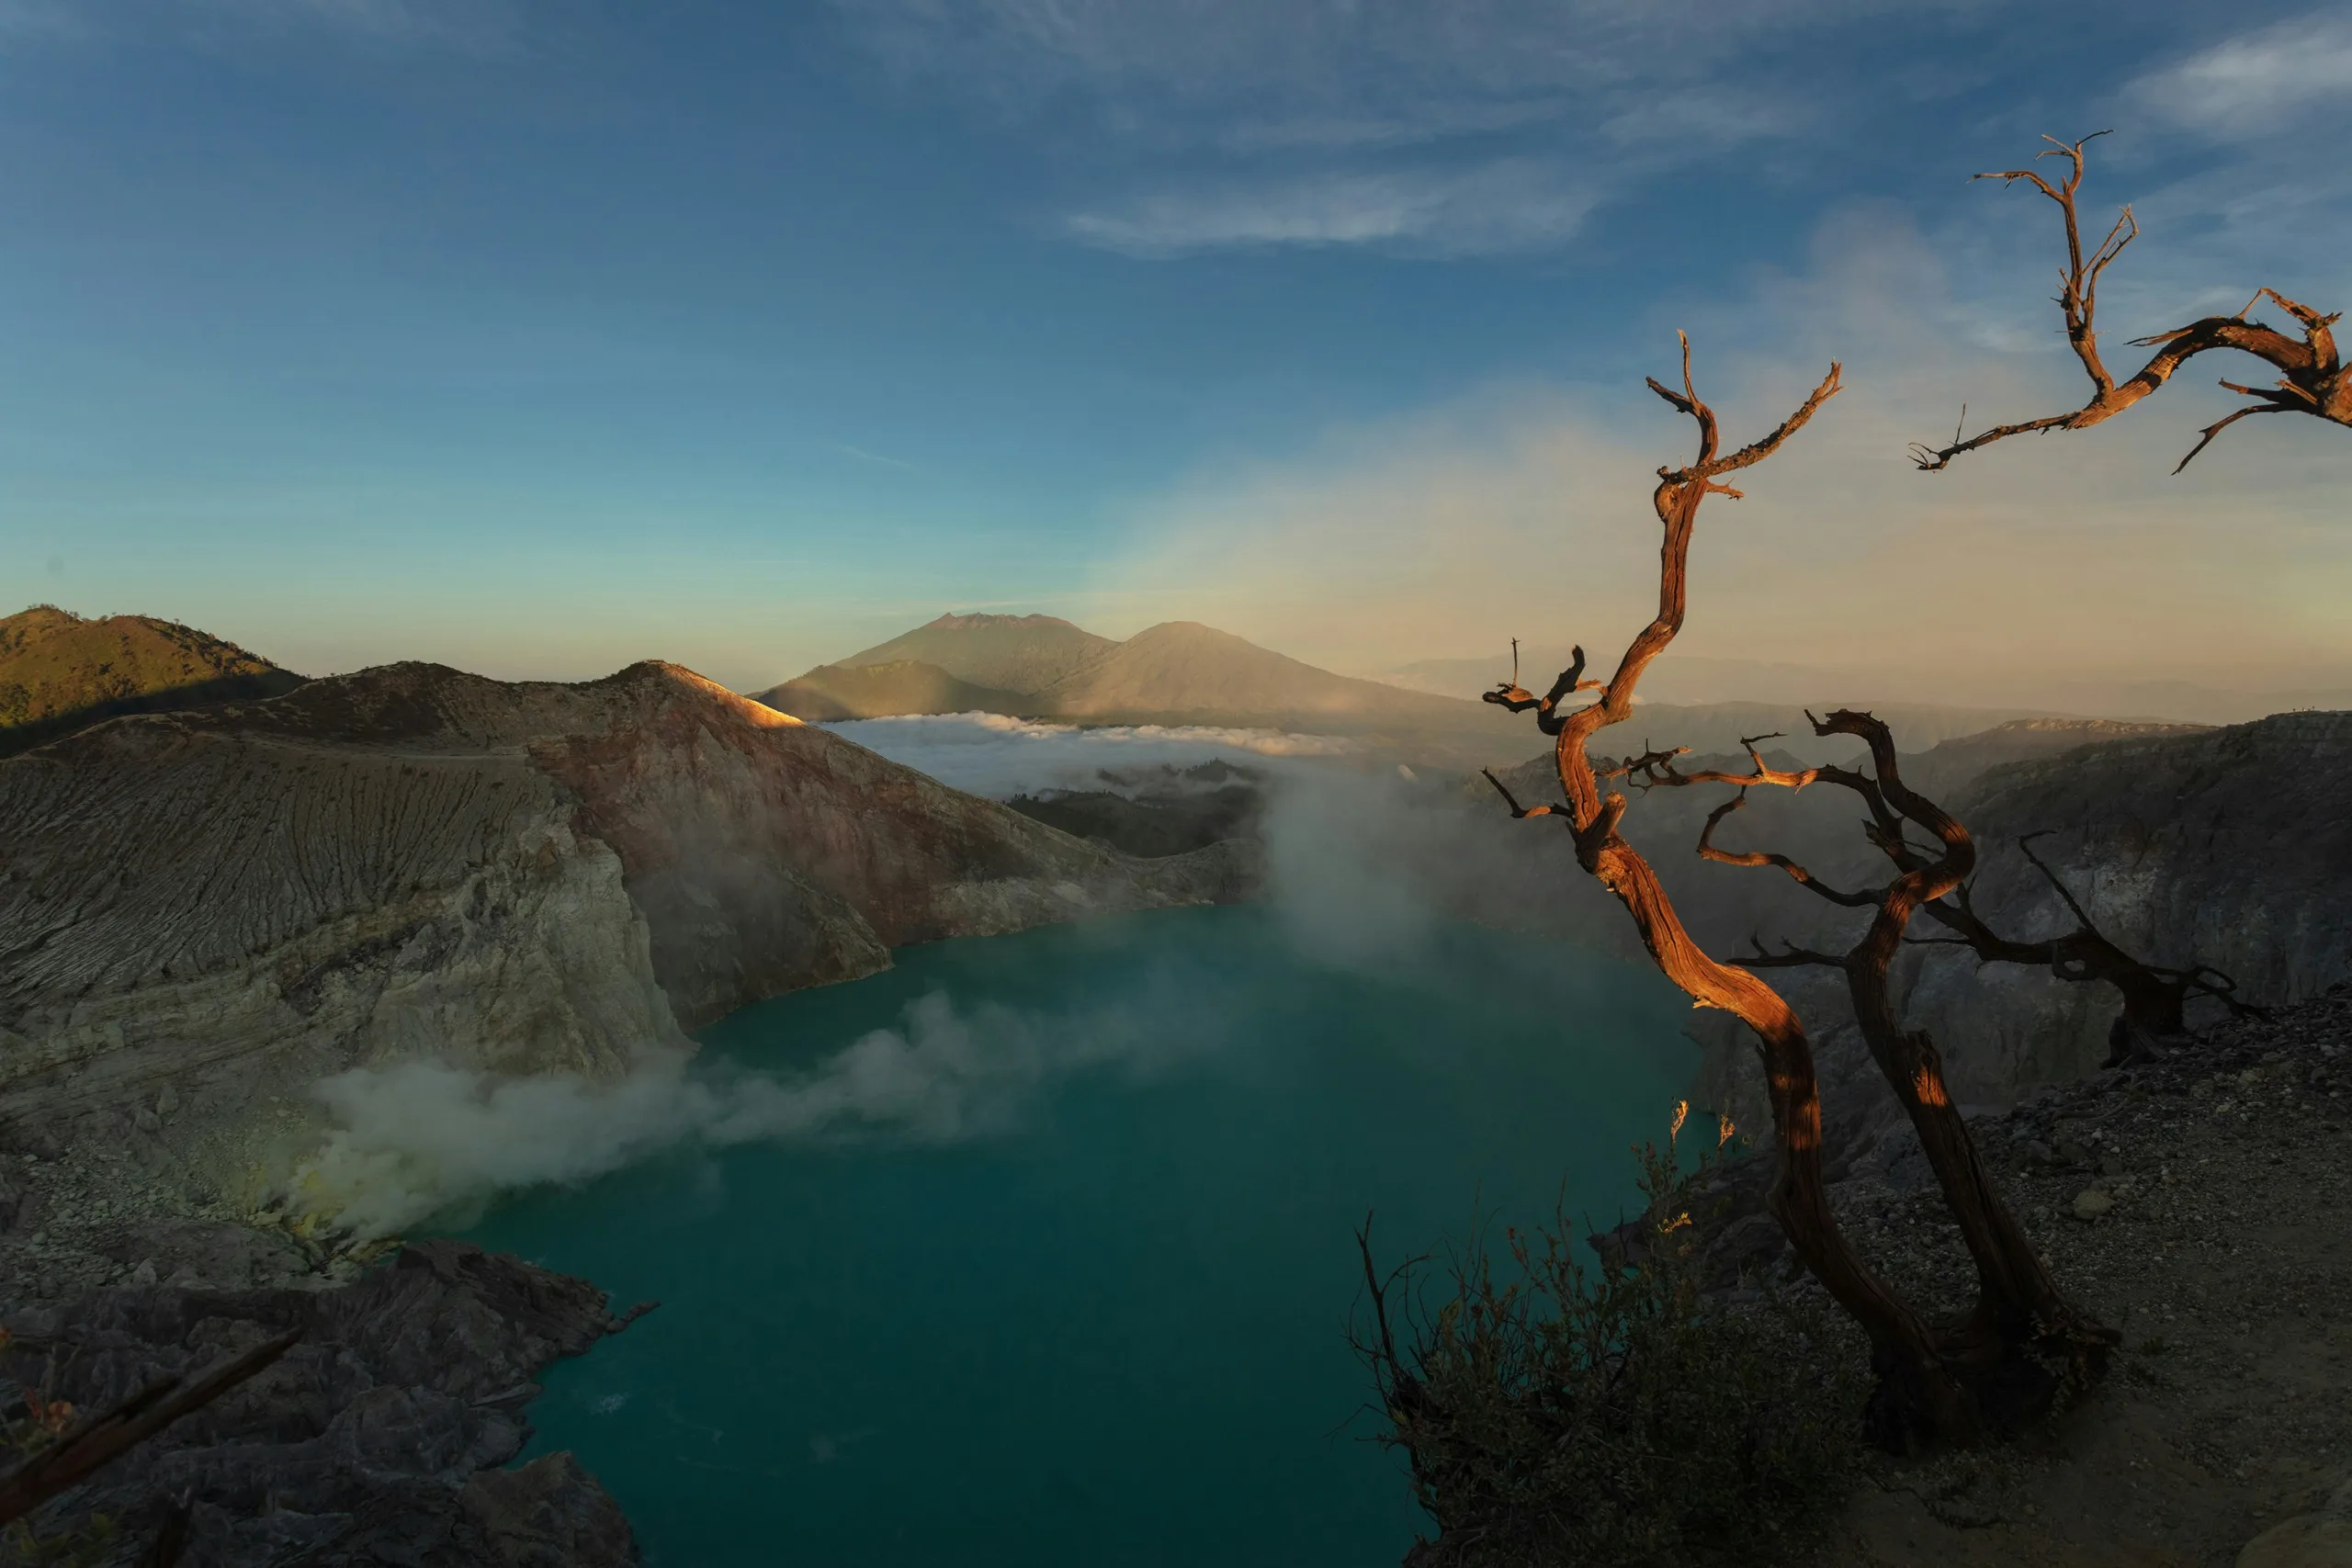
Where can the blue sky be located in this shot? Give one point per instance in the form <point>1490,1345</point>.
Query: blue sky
<point>538,338</point>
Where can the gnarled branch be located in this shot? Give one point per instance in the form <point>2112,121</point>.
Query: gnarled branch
<point>1803,877</point>
<point>2312,378</point>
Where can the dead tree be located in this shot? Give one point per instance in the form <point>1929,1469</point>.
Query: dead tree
<point>2313,380</point>
<point>1948,1383</point>
<point>2154,997</point>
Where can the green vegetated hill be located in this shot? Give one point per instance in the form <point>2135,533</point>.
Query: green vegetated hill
<point>60,672</point>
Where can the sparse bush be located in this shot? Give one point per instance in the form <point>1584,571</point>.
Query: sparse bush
<point>1619,1414</point>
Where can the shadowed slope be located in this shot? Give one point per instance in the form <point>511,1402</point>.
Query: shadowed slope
<point>60,672</point>
<point>1010,653</point>
<point>1185,668</point>
<point>875,690</point>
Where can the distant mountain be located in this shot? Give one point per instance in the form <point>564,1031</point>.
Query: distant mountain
<point>1010,653</point>
<point>1038,666</point>
<point>1691,680</point>
<point>1943,768</point>
<point>60,672</point>
<point>873,691</point>
<point>1182,667</point>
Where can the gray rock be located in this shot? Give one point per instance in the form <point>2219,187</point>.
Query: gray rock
<point>548,1514</point>
<point>372,1441</point>
<point>2321,1539</point>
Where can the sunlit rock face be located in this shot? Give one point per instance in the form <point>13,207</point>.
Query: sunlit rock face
<point>203,913</point>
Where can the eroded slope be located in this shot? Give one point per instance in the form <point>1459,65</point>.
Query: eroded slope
<point>203,913</point>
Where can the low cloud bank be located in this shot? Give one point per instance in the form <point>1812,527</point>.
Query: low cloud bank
<point>420,1140</point>
<point>992,755</point>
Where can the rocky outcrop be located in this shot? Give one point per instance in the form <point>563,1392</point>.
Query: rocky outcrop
<point>202,913</point>
<point>375,1440</point>
<point>2228,847</point>
<point>2225,847</point>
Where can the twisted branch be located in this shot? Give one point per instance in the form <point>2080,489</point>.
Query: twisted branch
<point>2312,378</point>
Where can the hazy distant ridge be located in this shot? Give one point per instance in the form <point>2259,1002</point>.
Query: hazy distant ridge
<point>1010,653</point>
<point>1692,679</point>
<point>1038,666</point>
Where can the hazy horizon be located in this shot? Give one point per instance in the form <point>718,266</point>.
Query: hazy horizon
<point>537,341</point>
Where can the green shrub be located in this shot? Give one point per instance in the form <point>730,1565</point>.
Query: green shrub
<point>1620,1413</point>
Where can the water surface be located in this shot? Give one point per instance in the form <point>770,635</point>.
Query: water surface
<point>1092,1310</point>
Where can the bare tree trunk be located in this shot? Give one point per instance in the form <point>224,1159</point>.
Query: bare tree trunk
<point>1956,1383</point>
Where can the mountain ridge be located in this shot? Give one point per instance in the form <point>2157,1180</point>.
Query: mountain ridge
<point>1044,667</point>
<point>1010,653</point>
<point>61,671</point>
<point>520,877</point>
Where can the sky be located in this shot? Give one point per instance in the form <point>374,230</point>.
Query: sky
<point>538,338</point>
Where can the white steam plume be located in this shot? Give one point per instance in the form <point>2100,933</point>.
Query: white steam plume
<point>418,1140</point>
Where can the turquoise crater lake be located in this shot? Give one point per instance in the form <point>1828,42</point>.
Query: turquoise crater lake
<point>1082,1299</point>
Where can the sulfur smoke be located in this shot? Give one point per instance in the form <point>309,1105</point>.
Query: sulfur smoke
<point>1362,863</point>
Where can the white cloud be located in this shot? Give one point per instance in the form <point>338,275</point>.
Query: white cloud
<point>1506,206</point>
<point>2258,82</point>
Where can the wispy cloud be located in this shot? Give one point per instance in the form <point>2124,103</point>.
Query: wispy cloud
<point>2258,82</point>
<point>480,28</point>
<point>33,21</point>
<point>862,455</point>
<point>1509,206</point>
<point>1524,510</point>
<point>1487,125</point>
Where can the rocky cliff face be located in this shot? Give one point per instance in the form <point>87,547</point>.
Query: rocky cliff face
<point>2228,846</point>
<point>202,913</point>
<point>374,1440</point>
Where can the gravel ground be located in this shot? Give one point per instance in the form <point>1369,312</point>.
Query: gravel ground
<point>2202,1206</point>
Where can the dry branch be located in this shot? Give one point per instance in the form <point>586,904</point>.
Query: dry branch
<point>2312,378</point>
<point>78,1451</point>
<point>1953,1382</point>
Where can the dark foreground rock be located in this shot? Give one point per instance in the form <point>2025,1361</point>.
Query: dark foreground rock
<point>378,1440</point>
